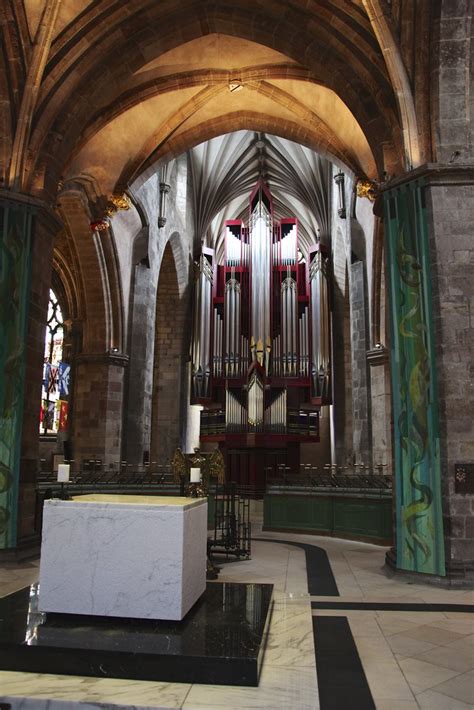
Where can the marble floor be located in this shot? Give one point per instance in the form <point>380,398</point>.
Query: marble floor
<point>411,659</point>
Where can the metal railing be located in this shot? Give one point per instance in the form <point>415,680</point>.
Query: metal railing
<point>232,527</point>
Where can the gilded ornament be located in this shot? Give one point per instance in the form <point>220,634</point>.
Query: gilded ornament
<point>116,203</point>
<point>212,467</point>
<point>216,466</point>
<point>178,466</point>
<point>367,188</point>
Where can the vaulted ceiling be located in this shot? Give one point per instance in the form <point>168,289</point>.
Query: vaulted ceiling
<point>116,87</point>
<point>226,169</point>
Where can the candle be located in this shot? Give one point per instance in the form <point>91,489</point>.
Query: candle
<point>63,472</point>
<point>195,476</point>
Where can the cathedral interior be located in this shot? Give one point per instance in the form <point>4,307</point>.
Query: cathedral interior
<point>236,238</point>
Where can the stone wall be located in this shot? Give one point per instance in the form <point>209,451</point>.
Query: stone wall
<point>453,82</point>
<point>450,203</point>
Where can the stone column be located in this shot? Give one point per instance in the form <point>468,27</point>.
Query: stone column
<point>137,430</point>
<point>449,197</point>
<point>98,407</point>
<point>37,227</point>
<point>361,424</point>
<point>429,216</point>
<point>341,411</point>
<point>171,356</point>
<point>380,409</point>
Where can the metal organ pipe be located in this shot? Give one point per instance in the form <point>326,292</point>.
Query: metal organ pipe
<point>231,328</point>
<point>307,332</point>
<point>275,419</point>
<point>202,341</point>
<point>234,412</point>
<point>300,336</point>
<point>233,248</point>
<point>284,333</point>
<point>293,317</point>
<point>214,343</point>
<point>304,343</point>
<point>261,274</point>
<point>288,325</point>
<point>288,248</point>
<point>221,330</point>
<point>236,337</point>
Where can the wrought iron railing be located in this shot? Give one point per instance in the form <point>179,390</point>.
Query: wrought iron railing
<point>232,527</point>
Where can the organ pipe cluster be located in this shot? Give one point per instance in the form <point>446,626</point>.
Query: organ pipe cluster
<point>262,329</point>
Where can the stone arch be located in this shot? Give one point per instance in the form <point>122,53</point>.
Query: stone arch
<point>172,330</point>
<point>63,283</point>
<point>95,263</point>
<point>399,79</point>
<point>332,34</point>
<point>244,120</point>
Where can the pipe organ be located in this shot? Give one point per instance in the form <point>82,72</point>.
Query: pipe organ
<point>261,355</point>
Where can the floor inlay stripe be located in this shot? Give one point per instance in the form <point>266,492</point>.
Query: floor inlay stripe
<point>321,581</point>
<point>341,678</point>
<point>392,606</point>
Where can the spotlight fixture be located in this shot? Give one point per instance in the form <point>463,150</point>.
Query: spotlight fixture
<point>235,85</point>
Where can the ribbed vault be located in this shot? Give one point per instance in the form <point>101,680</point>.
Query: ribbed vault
<point>122,85</point>
<point>225,170</point>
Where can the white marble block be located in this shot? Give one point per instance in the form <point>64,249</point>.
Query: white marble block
<point>130,556</point>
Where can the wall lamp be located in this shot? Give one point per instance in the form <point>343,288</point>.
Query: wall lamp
<point>339,180</point>
<point>164,189</point>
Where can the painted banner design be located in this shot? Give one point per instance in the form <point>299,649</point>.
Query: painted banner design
<point>420,541</point>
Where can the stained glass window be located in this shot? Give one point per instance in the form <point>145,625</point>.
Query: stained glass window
<point>55,389</point>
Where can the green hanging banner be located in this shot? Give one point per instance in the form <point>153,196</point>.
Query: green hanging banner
<point>15,256</point>
<point>420,540</point>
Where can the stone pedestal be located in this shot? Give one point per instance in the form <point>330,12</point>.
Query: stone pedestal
<point>123,555</point>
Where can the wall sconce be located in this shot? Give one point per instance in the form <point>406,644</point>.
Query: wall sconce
<point>339,180</point>
<point>164,189</point>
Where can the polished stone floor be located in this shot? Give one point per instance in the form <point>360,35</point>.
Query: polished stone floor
<point>409,659</point>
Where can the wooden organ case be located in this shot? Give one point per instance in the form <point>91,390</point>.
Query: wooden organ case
<point>261,356</point>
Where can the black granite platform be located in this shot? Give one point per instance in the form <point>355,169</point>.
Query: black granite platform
<point>220,641</point>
